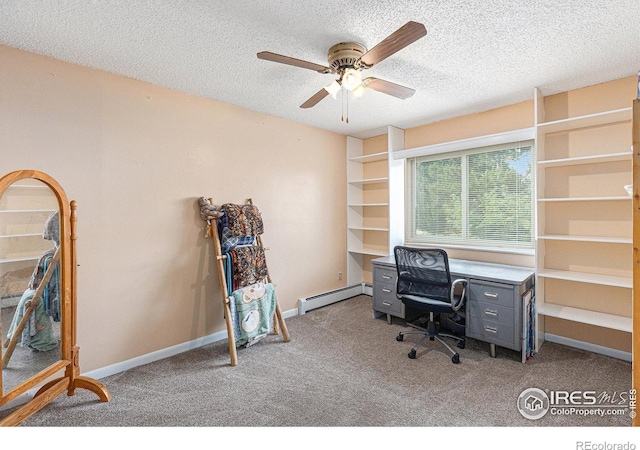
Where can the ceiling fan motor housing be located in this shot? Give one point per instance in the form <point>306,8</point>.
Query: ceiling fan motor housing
<point>345,55</point>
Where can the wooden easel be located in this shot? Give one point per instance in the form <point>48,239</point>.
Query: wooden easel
<point>278,320</point>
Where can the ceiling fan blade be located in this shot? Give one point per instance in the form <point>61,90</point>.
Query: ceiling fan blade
<point>315,98</point>
<point>389,88</point>
<point>269,56</point>
<point>399,39</point>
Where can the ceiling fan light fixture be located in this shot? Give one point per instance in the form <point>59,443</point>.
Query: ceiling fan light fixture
<point>351,79</point>
<point>359,91</point>
<point>333,88</point>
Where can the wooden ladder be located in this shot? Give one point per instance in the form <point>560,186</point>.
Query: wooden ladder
<point>278,320</point>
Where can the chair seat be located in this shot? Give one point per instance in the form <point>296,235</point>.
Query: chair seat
<point>425,303</point>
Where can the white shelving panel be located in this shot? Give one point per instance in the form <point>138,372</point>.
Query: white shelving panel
<point>375,225</point>
<point>566,159</point>
<point>585,316</point>
<point>24,208</point>
<point>593,159</point>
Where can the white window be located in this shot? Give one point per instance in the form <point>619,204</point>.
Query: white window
<point>476,198</point>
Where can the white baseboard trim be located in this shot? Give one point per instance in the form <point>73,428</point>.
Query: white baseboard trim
<point>618,354</point>
<point>215,337</point>
<point>196,343</point>
<point>318,301</point>
<point>166,352</point>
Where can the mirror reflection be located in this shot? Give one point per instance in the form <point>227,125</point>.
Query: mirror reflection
<point>29,281</point>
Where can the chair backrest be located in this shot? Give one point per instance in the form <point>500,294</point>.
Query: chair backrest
<point>423,272</point>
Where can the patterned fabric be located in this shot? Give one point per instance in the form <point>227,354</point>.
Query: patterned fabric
<point>253,308</point>
<point>38,332</point>
<point>228,241</point>
<point>50,295</point>
<point>242,220</point>
<point>249,265</point>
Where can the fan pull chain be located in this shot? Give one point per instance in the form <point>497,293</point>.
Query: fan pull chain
<point>347,107</point>
<point>345,97</point>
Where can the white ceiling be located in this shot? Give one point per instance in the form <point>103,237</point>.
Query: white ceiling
<point>477,55</point>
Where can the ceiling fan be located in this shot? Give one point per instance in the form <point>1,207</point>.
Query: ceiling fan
<point>347,60</point>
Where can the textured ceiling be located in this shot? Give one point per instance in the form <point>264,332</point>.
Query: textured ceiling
<point>477,55</point>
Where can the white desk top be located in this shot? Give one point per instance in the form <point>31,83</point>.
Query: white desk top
<point>500,273</point>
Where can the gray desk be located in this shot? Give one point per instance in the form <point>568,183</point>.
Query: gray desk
<point>499,307</point>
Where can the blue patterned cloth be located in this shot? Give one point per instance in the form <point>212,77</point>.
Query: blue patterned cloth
<point>227,240</point>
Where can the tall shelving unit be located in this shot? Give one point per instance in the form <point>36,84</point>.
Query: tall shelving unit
<point>584,217</point>
<point>24,208</point>
<point>375,183</point>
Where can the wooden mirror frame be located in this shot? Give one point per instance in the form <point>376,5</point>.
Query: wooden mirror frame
<point>69,351</point>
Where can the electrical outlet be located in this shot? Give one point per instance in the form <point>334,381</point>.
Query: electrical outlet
<point>339,276</point>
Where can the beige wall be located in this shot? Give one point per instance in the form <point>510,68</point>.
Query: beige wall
<point>136,157</point>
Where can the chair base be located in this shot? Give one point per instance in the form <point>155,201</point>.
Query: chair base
<point>431,333</point>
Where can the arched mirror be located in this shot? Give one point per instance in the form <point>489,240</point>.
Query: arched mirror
<point>37,294</point>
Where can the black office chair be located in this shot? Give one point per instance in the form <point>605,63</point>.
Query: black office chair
<point>424,285</point>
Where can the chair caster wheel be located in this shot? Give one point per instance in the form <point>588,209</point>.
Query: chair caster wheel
<point>412,354</point>
<point>456,359</point>
<point>460,344</point>
<point>399,338</point>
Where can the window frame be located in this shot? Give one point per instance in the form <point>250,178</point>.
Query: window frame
<point>463,242</point>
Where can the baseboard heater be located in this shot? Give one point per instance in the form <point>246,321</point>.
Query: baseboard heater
<point>327,298</point>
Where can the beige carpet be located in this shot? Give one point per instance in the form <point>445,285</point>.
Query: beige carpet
<point>342,368</point>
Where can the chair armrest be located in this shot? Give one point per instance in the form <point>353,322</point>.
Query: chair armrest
<point>460,281</point>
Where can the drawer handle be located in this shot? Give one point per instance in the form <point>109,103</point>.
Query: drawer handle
<point>491,330</point>
<point>491,312</point>
<point>491,294</point>
<point>386,290</point>
<point>386,303</point>
<point>386,277</point>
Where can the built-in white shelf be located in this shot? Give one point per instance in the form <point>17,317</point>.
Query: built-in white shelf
<point>382,156</point>
<point>605,280</point>
<point>589,156</point>
<point>375,189</point>
<point>585,316</point>
<point>369,181</point>
<point>585,199</point>
<point>369,251</point>
<point>368,228</point>
<point>603,239</point>
<point>364,205</point>
<point>593,159</point>
<point>20,259</point>
<point>589,120</point>
<point>21,211</point>
<point>4,236</point>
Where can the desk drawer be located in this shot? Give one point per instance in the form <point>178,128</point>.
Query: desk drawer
<point>385,275</point>
<point>492,312</point>
<point>385,300</point>
<point>492,332</point>
<point>499,294</point>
